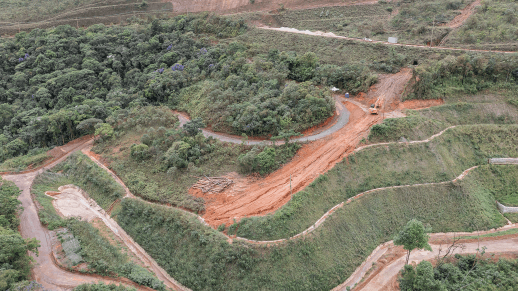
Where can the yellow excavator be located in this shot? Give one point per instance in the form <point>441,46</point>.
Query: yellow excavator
<point>377,105</point>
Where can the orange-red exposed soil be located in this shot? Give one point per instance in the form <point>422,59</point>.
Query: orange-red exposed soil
<point>253,197</point>
<point>389,88</point>
<point>464,15</point>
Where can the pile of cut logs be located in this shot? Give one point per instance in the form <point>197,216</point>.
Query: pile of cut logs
<point>213,184</point>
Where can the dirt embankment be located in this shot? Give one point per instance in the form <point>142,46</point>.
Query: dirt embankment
<point>253,197</point>
<point>237,6</point>
<point>387,267</point>
<point>463,16</point>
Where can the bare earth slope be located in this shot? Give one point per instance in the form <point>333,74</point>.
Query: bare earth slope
<point>250,197</point>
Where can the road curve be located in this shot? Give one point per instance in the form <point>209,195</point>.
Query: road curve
<point>45,271</point>
<point>386,275</point>
<point>341,119</point>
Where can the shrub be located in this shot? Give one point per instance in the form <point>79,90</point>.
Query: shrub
<point>139,152</point>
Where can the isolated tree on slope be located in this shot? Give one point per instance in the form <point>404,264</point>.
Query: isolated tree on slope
<point>413,236</point>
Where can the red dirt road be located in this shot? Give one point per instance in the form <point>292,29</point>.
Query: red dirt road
<point>253,197</point>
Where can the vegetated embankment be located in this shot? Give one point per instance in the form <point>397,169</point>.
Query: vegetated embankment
<point>442,159</point>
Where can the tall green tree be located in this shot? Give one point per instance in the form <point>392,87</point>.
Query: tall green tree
<point>413,236</point>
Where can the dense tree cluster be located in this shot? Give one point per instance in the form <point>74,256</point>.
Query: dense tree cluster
<point>463,74</point>
<point>468,272</point>
<point>52,80</point>
<point>59,84</point>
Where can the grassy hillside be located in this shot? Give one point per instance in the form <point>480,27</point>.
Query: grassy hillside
<point>410,22</point>
<point>490,106</point>
<point>494,25</point>
<point>201,259</point>
<point>442,159</point>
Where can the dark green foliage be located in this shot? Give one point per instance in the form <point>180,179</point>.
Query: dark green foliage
<point>9,204</point>
<point>56,84</point>
<point>465,272</point>
<point>139,152</point>
<point>420,279</point>
<point>463,74</point>
<point>15,261</point>
<point>413,236</point>
<point>267,160</point>
<point>192,127</point>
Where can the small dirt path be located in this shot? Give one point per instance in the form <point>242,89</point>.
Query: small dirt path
<point>332,35</point>
<point>464,15</point>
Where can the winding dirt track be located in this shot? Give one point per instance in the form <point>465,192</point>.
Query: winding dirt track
<point>464,15</point>
<point>332,35</point>
<point>45,271</point>
<point>340,120</point>
<point>385,277</point>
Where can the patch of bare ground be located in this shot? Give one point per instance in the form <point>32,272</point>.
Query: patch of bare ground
<point>255,197</point>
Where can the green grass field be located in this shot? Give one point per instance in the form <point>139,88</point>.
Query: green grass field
<point>440,160</point>
<point>492,106</point>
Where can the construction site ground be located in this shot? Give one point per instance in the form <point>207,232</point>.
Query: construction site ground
<point>358,126</point>
<point>251,196</point>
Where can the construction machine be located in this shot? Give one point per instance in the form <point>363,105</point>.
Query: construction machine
<point>377,105</point>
